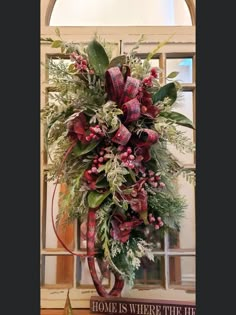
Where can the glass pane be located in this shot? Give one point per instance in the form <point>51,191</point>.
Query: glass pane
<point>116,13</point>
<point>184,105</point>
<point>182,271</point>
<point>183,66</point>
<point>57,271</point>
<point>83,276</point>
<point>150,272</point>
<point>186,238</point>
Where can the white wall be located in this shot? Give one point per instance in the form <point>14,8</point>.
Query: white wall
<point>120,13</point>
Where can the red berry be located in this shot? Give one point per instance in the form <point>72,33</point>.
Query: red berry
<point>161,223</point>
<point>143,109</point>
<point>131,157</point>
<point>159,218</point>
<point>157,227</point>
<point>162,184</point>
<point>95,161</point>
<point>89,171</point>
<point>125,154</point>
<point>101,153</point>
<point>88,138</point>
<point>94,170</point>
<point>129,150</point>
<point>100,159</point>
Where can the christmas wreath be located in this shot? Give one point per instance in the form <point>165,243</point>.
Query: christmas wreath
<point>107,131</point>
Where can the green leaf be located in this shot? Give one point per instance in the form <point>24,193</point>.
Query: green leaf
<point>81,148</point>
<point>95,198</point>
<point>132,175</point>
<point>101,182</point>
<point>172,75</point>
<point>118,61</point>
<point>98,58</point>
<point>71,68</point>
<point>168,90</point>
<point>178,119</point>
<point>56,44</point>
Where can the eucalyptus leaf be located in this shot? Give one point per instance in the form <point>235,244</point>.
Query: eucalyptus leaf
<point>118,61</point>
<point>168,90</point>
<point>56,44</point>
<point>98,58</point>
<point>172,75</point>
<point>71,68</point>
<point>95,198</point>
<point>178,119</point>
<point>81,148</point>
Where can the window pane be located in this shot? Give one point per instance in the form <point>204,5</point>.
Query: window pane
<point>150,272</point>
<point>83,276</point>
<point>57,270</point>
<point>184,105</point>
<point>186,238</point>
<point>183,66</point>
<point>119,13</point>
<point>182,271</point>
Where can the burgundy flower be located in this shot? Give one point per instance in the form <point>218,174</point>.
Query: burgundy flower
<point>77,128</point>
<point>121,228</point>
<point>137,199</point>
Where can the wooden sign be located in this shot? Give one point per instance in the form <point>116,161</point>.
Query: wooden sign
<point>122,306</point>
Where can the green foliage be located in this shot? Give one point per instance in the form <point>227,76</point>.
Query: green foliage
<point>81,149</point>
<point>109,114</point>
<point>172,75</point>
<point>118,61</point>
<point>177,118</point>
<point>169,208</point>
<point>97,57</point>
<point>169,90</point>
<point>95,173</point>
<point>95,198</point>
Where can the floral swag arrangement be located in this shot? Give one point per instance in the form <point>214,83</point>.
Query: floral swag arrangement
<point>108,129</point>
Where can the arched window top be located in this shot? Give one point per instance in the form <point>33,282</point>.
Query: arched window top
<point>120,13</point>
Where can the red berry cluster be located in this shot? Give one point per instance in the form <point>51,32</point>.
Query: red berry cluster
<point>126,156</point>
<point>154,179</point>
<point>157,222</point>
<point>95,133</point>
<point>81,63</point>
<point>147,82</point>
<point>98,161</point>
